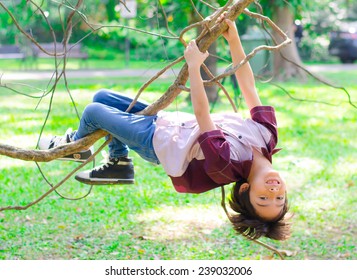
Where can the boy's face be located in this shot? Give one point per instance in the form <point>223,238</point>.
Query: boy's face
<point>267,194</point>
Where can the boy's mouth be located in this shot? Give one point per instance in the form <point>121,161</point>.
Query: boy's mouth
<point>272,182</point>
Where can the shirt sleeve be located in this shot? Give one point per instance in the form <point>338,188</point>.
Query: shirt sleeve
<point>217,156</point>
<point>265,115</point>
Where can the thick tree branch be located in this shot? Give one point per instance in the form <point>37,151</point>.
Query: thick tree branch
<point>48,155</point>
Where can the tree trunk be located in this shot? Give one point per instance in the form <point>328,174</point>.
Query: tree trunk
<point>283,68</point>
<point>110,7</point>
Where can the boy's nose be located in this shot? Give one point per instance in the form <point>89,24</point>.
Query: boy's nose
<point>273,189</point>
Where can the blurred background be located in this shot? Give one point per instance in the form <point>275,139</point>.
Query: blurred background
<point>323,31</point>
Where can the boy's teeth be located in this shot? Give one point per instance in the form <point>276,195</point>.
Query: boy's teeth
<point>273,182</point>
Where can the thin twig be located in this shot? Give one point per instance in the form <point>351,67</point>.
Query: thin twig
<point>166,21</point>
<point>286,41</point>
<point>58,184</point>
<point>271,248</point>
<point>219,84</point>
<point>223,204</point>
<point>56,191</point>
<point>151,80</point>
<point>321,80</point>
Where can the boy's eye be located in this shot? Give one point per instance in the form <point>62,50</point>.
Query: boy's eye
<point>280,197</point>
<point>263,197</point>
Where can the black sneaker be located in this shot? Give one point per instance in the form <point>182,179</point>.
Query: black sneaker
<point>115,171</point>
<point>47,143</point>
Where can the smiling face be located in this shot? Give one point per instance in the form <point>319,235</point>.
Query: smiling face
<point>267,194</point>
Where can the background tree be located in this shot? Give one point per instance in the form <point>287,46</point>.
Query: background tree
<point>287,62</point>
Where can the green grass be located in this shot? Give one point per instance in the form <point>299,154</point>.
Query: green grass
<point>149,220</point>
<point>114,61</point>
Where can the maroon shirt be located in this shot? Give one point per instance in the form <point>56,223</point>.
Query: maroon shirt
<point>218,168</point>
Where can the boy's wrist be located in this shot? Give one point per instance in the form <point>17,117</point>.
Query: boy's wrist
<point>194,67</point>
<point>234,40</point>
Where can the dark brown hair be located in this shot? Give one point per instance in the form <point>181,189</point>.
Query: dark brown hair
<point>246,222</point>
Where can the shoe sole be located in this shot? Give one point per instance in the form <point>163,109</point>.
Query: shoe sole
<point>77,157</point>
<point>72,160</point>
<point>99,181</point>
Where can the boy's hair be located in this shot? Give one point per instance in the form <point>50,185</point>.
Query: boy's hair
<point>249,224</point>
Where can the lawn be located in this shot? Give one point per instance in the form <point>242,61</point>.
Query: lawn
<point>149,220</point>
<point>112,61</point>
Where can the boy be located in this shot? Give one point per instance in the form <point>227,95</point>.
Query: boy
<point>199,152</point>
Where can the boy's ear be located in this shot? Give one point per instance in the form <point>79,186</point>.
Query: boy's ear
<point>244,187</point>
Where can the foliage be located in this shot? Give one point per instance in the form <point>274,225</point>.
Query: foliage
<point>296,6</point>
<point>149,220</point>
<point>318,19</point>
<point>314,48</point>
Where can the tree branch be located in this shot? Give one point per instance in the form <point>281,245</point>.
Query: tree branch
<point>48,155</point>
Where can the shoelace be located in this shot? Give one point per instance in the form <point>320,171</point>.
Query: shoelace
<point>106,162</point>
<point>57,140</point>
<point>70,136</point>
<point>103,166</point>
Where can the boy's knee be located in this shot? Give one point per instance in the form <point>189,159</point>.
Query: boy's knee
<point>92,109</point>
<point>100,95</point>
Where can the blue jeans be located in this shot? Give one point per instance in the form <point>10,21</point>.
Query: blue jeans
<point>129,131</point>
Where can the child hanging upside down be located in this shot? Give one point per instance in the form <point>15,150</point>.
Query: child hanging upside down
<point>199,152</point>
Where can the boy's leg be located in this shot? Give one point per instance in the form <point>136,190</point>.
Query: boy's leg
<point>116,100</point>
<point>103,96</point>
<point>128,131</point>
<point>120,102</point>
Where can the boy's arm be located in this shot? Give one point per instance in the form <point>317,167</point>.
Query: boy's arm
<point>194,58</point>
<point>244,74</point>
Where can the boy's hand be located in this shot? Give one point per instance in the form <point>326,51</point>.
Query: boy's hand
<point>231,33</point>
<point>194,57</point>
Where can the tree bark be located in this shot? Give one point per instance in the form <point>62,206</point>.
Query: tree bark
<point>286,61</point>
